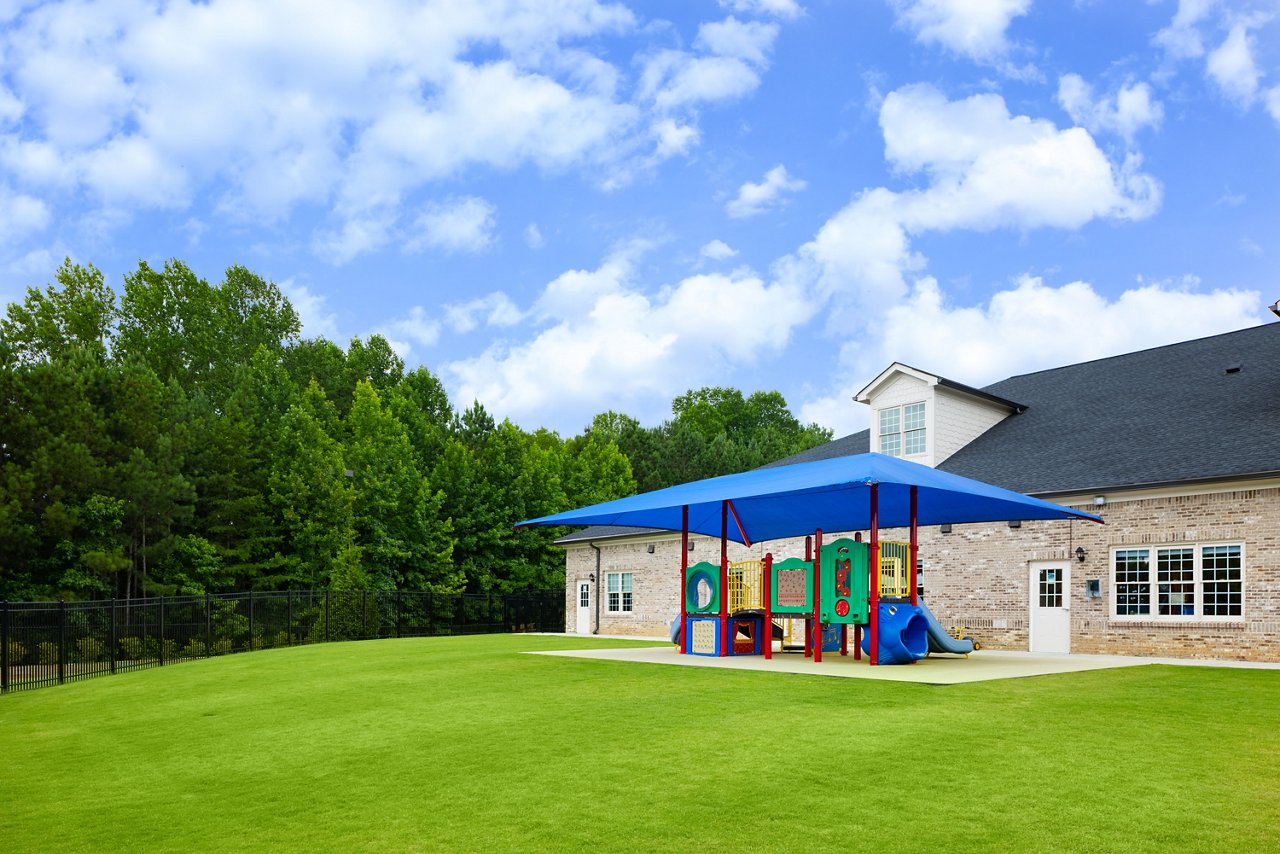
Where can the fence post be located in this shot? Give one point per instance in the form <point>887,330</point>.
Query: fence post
<point>208,625</point>
<point>162,631</point>
<point>326,616</point>
<point>4,647</point>
<point>288,617</point>
<point>250,621</point>
<point>364,614</point>
<point>431,613</point>
<point>114,638</point>
<point>398,604</point>
<point>62,642</point>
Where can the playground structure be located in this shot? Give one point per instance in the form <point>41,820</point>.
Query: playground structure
<point>764,600</point>
<point>860,492</point>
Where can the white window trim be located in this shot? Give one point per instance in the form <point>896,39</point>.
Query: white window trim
<point>902,431</point>
<point>624,607</point>
<point>1153,583</point>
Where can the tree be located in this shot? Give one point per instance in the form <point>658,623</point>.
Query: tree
<point>79,314</point>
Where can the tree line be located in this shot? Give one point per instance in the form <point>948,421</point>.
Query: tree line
<point>182,437</point>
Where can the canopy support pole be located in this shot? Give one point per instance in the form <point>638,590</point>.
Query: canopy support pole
<point>766,625</point>
<point>817,597</point>
<point>915,546</point>
<point>684,574</point>
<point>725,636</point>
<point>873,626</point>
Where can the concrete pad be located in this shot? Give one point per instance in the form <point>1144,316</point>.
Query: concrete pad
<point>980,666</point>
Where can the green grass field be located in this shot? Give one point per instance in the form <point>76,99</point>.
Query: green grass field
<point>463,744</point>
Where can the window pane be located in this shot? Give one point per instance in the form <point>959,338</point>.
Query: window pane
<point>888,421</point>
<point>913,417</point>
<point>915,442</point>
<point>613,601</point>
<point>1133,582</point>
<point>626,582</point>
<point>1223,584</point>
<point>626,601</point>
<point>1176,582</point>
<point>891,445</point>
<point>613,582</point>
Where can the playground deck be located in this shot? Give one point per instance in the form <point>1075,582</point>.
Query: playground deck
<point>935,670</point>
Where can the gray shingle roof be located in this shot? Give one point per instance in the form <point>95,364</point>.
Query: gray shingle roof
<point>1171,414</point>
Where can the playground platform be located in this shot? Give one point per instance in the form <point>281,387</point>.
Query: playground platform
<point>981,666</point>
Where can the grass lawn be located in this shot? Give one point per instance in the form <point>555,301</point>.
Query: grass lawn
<point>462,744</point>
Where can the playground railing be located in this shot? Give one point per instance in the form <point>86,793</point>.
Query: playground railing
<point>746,585</point>
<point>895,562</point>
<point>49,643</point>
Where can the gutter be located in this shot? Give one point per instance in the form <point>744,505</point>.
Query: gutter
<point>599,583</point>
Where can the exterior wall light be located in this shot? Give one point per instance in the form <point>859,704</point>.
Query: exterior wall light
<point>650,548</point>
<point>1080,553</point>
<point>1099,500</point>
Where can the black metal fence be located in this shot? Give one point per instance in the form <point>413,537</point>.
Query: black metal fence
<point>49,643</point>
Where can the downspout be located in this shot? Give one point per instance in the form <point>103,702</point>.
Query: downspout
<point>596,591</point>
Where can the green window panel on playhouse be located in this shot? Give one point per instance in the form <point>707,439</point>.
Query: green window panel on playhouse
<point>791,587</point>
<point>694,577</point>
<point>846,582</point>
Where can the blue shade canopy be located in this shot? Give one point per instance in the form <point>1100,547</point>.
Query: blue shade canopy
<point>834,495</point>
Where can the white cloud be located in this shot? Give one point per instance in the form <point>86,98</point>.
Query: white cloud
<point>313,310</point>
<point>777,8</point>
<point>1182,37</point>
<point>533,236</point>
<point>1029,327</point>
<point>496,308</point>
<point>605,342</point>
<point>21,215</point>
<point>417,327</point>
<point>1231,66</point>
<point>987,169</point>
<point>753,199</point>
<point>1125,112</point>
<point>355,237</point>
<point>732,56</point>
<point>457,225</point>
<point>673,138</point>
<point>717,250</point>
<point>972,28</point>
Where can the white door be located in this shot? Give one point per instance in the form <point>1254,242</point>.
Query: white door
<point>584,608</point>
<point>1051,607</point>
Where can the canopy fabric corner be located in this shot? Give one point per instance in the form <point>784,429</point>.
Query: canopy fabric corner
<point>831,495</point>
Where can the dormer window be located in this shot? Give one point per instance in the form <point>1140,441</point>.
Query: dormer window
<point>902,430</point>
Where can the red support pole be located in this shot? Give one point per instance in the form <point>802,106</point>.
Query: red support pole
<point>684,569</point>
<point>915,544</point>
<point>844,640</point>
<point>857,642</point>
<point>725,636</point>
<point>766,593</point>
<point>817,596</point>
<point>808,636</point>
<point>873,633</point>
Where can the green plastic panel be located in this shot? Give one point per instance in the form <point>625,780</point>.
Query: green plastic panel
<point>791,587</point>
<point>693,575</point>
<point>846,582</point>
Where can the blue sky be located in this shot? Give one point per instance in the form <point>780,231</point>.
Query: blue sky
<point>563,208</point>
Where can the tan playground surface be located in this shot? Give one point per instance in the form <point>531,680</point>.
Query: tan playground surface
<point>980,666</point>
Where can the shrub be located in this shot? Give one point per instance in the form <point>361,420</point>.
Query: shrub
<point>48,652</point>
<point>223,646</point>
<point>90,649</point>
<point>133,649</point>
<point>195,648</point>
<point>170,647</point>
<point>17,653</point>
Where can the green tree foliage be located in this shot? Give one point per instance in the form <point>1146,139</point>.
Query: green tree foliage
<point>182,439</point>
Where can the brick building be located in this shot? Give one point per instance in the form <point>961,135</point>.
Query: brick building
<point>1177,448</point>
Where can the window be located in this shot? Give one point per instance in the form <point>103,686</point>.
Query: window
<point>902,430</point>
<point>1179,581</point>
<point>618,585</point>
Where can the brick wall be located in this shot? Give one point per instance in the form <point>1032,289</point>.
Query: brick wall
<point>979,575</point>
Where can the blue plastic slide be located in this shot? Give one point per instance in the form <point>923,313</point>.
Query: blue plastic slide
<point>940,640</point>
<point>903,634</point>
